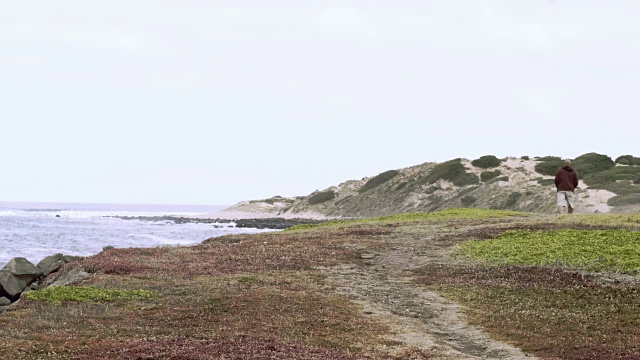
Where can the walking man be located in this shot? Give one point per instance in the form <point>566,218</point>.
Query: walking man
<point>566,184</point>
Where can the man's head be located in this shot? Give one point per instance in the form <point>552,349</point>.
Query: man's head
<point>567,162</point>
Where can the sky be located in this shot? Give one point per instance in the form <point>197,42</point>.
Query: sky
<point>215,102</point>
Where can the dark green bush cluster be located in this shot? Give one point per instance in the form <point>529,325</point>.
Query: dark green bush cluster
<point>628,160</point>
<point>452,170</point>
<point>378,180</point>
<point>549,158</point>
<point>592,163</point>
<point>546,182</point>
<point>321,197</point>
<point>488,175</point>
<point>549,165</point>
<point>524,158</point>
<point>467,200</point>
<point>512,199</point>
<point>466,179</point>
<point>486,162</point>
<point>622,180</point>
<point>619,200</point>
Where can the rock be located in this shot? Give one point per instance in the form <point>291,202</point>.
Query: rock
<point>11,285</point>
<point>3,309</point>
<point>72,258</point>
<point>51,264</point>
<point>4,301</point>
<point>71,277</point>
<point>367,256</point>
<point>23,268</point>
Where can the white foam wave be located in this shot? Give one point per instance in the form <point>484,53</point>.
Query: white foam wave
<point>162,240</point>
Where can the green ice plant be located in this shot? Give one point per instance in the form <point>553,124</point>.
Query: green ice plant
<point>592,250</point>
<point>444,215</point>
<point>91,294</point>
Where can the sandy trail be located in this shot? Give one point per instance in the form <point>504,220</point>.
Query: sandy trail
<point>423,319</point>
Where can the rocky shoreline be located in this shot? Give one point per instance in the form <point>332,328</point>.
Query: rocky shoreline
<point>256,223</point>
<point>19,276</point>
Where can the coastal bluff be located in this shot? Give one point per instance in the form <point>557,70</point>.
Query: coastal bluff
<point>512,183</point>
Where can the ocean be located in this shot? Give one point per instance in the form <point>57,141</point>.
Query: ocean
<point>37,230</point>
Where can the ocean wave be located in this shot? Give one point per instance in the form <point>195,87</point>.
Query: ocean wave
<point>162,240</point>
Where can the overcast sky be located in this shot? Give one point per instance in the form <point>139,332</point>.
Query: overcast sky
<point>214,102</point>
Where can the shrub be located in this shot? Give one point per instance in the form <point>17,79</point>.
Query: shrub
<point>488,175</point>
<point>620,200</point>
<point>513,199</point>
<point>622,180</point>
<point>549,167</point>
<point>450,170</point>
<point>486,162</point>
<point>524,158</point>
<point>321,197</point>
<point>628,160</point>
<point>453,171</point>
<point>466,179</point>
<point>592,163</point>
<point>378,180</point>
<point>546,182</point>
<point>468,200</point>
<point>549,158</point>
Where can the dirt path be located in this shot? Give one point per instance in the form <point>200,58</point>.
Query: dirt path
<point>423,319</point>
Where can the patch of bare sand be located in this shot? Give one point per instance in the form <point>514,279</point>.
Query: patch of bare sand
<point>590,201</point>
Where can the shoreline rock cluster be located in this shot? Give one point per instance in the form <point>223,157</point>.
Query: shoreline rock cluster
<point>19,276</point>
<point>258,223</point>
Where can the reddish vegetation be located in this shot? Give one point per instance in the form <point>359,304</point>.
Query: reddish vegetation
<point>230,255</point>
<point>237,348</point>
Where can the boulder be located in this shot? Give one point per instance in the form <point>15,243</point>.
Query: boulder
<point>4,301</point>
<point>51,264</point>
<point>72,258</point>
<point>23,268</point>
<point>11,285</point>
<point>71,277</point>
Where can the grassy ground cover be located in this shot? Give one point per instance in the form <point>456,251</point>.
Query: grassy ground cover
<point>592,250</point>
<point>438,216</point>
<point>549,312</point>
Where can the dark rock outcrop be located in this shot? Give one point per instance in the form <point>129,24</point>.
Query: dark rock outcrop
<point>51,263</point>
<point>20,276</point>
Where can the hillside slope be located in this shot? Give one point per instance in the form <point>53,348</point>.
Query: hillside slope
<point>521,184</point>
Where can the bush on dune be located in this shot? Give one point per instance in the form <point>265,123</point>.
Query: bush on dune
<point>321,197</point>
<point>486,162</point>
<point>378,180</point>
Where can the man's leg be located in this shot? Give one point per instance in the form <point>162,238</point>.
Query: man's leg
<point>570,201</point>
<point>561,201</point>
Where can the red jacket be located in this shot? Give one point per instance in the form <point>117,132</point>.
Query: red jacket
<point>566,179</point>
